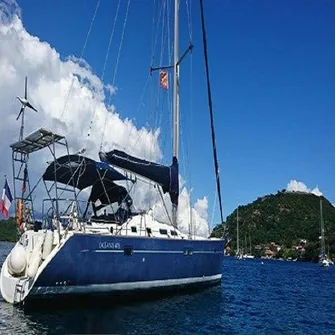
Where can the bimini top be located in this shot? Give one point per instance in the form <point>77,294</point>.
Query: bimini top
<point>80,172</point>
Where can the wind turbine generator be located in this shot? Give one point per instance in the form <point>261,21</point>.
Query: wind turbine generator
<point>24,103</point>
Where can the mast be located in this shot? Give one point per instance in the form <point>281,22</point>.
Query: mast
<point>245,247</point>
<point>237,235</point>
<point>22,127</point>
<point>176,98</point>
<point>249,242</point>
<point>323,247</point>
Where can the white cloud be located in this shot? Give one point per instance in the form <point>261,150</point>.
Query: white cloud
<point>50,79</point>
<point>299,186</point>
<point>8,9</point>
<point>196,216</point>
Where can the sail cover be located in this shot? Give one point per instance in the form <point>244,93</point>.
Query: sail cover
<point>81,172</point>
<point>166,176</point>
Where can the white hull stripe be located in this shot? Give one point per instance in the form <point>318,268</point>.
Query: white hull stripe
<point>111,250</point>
<point>140,285</point>
<point>154,251</point>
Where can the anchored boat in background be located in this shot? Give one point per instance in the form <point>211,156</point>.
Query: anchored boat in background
<point>102,244</point>
<point>323,258</point>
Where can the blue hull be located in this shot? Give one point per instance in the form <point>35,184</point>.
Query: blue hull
<point>88,264</point>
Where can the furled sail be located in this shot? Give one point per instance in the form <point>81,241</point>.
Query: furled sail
<point>166,176</point>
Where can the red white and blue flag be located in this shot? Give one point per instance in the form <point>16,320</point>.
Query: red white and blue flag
<point>164,79</point>
<point>6,200</point>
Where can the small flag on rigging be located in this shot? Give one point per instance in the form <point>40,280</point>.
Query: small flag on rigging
<point>6,199</point>
<point>25,177</point>
<point>164,79</point>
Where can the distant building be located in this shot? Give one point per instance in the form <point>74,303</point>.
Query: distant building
<point>268,253</point>
<point>227,250</point>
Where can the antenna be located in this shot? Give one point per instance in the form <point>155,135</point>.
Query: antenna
<point>24,103</point>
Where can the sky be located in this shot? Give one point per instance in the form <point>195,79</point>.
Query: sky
<point>272,75</point>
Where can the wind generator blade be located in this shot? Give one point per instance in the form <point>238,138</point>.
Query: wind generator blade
<point>21,110</point>
<point>30,106</point>
<point>25,89</point>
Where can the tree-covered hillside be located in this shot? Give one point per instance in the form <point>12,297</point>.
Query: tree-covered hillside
<point>285,219</point>
<point>8,230</point>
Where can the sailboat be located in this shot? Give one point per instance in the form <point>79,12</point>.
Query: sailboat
<point>239,255</point>
<point>323,259</point>
<point>248,255</point>
<point>114,250</point>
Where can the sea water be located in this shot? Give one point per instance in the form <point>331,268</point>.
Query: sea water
<point>256,297</point>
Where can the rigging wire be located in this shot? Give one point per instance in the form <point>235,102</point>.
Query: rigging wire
<point>152,61</point>
<point>159,98</point>
<point>105,64</point>
<point>121,43</point>
<point>153,116</point>
<point>216,164</point>
<point>189,17</point>
<point>165,97</point>
<point>153,29</point>
<point>115,71</point>
<point>81,55</point>
<point>169,98</point>
<point>154,37</point>
<point>80,167</point>
<point>213,211</point>
<point>165,208</point>
<point>190,137</point>
<point>158,103</point>
<point>102,77</point>
<point>185,152</point>
<point>186,148</point>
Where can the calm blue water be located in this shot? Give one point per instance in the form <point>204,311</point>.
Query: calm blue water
<point>271,298</point>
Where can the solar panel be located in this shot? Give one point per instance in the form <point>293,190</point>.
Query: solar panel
<point>38,140</point>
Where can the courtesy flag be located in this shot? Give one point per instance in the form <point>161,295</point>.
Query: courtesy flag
<point>6,200</point>
<point>164,79</point>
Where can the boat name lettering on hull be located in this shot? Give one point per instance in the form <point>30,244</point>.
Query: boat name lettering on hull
<point>109,245</point>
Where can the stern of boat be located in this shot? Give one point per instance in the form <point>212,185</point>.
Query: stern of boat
<point>25,262</point>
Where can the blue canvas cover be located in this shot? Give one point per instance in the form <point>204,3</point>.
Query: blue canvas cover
<point>80,171</point>
<point>166,176</point>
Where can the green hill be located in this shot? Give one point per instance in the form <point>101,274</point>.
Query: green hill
<point>285,220</point>
<point>8,230</point>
